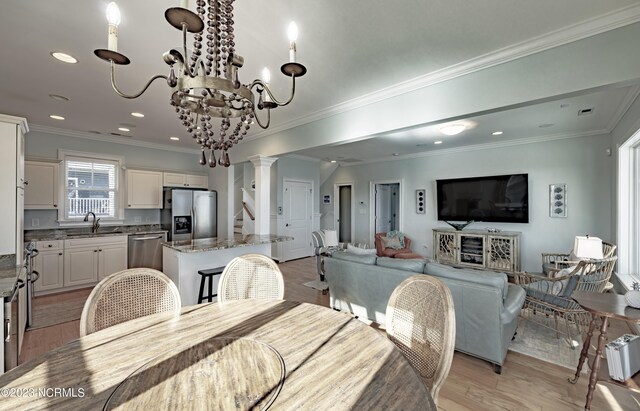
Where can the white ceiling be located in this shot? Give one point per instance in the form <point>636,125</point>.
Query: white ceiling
<point>351,49</point>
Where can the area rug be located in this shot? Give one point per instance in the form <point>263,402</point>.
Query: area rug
<point>45,315</point>
<point>318,285</point>
<point>538,341</point>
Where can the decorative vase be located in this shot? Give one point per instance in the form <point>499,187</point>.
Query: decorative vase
<point>459,226</point>
<point>632,297</point>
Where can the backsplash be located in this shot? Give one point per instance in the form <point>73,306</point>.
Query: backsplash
<point>7,261</point>
<point>62,233</point>
<point>47,219</point>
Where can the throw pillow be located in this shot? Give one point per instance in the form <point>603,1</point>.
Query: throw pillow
<point>360,251</point>
<point>395,233</point>
<point>391,242</point>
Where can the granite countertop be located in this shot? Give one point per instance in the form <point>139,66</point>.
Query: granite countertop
<point>222,243</point>
<point>85,232</point>
<point>9,273</point>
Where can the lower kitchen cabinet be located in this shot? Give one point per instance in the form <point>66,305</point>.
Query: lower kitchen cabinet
<point>78,262</point>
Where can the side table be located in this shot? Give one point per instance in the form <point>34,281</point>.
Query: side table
<point>603,306</point>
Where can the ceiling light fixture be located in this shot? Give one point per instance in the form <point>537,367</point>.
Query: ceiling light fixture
<point>123,129</point>
<point>136,114</point>
<point>333,161</point>
<point>496,133</point>
<point>56,117</point>
<point>452,129</point>
<point>205,86</point>
<point>66,58</point>
<point>437,142</point>
<point>59,97</point>
<point>174,138</point>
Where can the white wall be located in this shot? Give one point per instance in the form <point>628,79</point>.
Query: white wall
<point>45,145</point>
<point>581,163</point>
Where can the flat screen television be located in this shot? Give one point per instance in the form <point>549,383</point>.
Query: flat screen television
<point>498,199</point>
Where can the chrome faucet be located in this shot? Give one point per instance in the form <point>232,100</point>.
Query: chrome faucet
<point>96,221</point>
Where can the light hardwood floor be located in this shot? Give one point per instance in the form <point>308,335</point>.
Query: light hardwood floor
<point>525,383</point>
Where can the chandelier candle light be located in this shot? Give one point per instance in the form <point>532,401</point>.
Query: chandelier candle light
<point>205,85</point>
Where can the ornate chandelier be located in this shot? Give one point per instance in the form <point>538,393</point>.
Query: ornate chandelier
<point>205,85</point>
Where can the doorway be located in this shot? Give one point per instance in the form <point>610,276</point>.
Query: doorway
<point>297,211</point>
<point>343,208</point>
<point>386,206</point>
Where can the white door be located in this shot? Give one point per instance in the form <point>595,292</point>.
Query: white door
<point>383,208</point>
<point>297,209</point>
<point>80,266</point>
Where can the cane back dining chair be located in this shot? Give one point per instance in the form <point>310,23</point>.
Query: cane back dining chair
<point>127,295</point>
<point>251,276</point>
<point>421,322</point>
<point>550,297</point>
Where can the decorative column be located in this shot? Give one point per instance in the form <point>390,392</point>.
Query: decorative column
<point>262,165</point>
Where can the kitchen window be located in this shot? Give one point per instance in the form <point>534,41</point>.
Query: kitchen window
<point>91,185</point>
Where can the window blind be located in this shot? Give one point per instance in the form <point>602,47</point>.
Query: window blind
<point>91,185</point>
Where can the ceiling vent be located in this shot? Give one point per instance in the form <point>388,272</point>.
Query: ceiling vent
<point>119,135</point>
<point>585,111</point>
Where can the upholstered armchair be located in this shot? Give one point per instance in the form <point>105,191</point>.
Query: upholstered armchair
<point>550,297</point>
<point>401,252</point>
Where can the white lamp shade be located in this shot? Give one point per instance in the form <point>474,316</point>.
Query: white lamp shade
<point>330,238</point>
<point>587,247</point>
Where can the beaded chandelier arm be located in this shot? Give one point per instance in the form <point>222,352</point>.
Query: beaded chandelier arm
<point>131,96</point>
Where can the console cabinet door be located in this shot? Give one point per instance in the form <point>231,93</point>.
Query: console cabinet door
<point>144,189</point>
<point>80,266</point>
<point>41,186</point>
<point>500,253</point>
<point>445,247</point>
<point>112,258</point>
<point>50,266</point>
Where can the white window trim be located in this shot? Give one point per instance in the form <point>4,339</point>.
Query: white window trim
<point>105,221</point>
<point>628,217</point>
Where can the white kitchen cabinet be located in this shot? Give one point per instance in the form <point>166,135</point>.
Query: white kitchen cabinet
<point>49,263</point>
<point>12,131</point>
<point>144,189</point>
<point>41,187</point>
<point>111,259</point>
<point>88,260</point>
<point>185,180</point>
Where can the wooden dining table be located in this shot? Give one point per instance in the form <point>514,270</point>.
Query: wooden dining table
<point>249,354</point>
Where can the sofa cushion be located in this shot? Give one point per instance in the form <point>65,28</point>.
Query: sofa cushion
<point>498,280</point>
<point>391,242</point>
<point>533,291</point>
<point>415,265</point>
<point>360,251</point>
<point>364,259</point>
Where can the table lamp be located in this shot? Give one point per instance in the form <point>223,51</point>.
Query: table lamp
<point>587,247</point>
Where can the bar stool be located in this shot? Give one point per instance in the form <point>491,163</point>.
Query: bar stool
<point>204,276</point>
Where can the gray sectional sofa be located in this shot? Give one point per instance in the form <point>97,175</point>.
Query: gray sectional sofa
<point>486,306</point>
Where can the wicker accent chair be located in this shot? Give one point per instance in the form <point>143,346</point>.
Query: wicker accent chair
<point>421,322</point>
<point>554,262</point>
<point>551,296</point>
<point>251,276</point>
<point>127,295</point>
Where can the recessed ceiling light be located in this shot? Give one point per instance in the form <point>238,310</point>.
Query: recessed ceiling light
<point>437,142</point>
<point>55,117</point>
<point>123,129</point>
<point>453,129</point>
<point>395,154</point>
<point>496,133</point>
<point>333,161</point>
<point>136,114</point>
<point>174,138</point>
<point>66,58</point>
<point>59,97</point>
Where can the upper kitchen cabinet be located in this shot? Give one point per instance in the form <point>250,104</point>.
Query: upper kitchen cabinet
<point>12,130</point>
<point>185,180</point>
<point>144,189</point>
<point>41,185</point>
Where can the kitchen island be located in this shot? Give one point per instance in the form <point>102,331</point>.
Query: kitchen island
<point>183,259</point>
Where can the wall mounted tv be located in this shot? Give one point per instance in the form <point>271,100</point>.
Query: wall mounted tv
<point>498,199</point>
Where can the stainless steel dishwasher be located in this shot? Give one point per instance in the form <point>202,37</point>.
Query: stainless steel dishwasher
<point>145,250</point>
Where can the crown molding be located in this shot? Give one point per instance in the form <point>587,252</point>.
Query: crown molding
<point>20,121</point>
<point>107,139</point>
<point>624,106</point>
<point>588,28</point>
<point>485,146</point>
<point>301,157</point>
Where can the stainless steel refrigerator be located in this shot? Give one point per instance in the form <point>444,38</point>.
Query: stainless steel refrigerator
<point>190,214</point>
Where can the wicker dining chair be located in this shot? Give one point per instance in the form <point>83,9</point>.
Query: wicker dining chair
<point>127,295</point>
<point>421,322</point>
<point>251,276</point>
